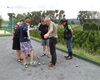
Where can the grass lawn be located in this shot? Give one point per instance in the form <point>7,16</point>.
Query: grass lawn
<point>78,52</point>
<point>5,35</point>
<point>81,53</point>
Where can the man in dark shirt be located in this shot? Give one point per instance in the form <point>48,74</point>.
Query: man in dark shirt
<point>45,42</point>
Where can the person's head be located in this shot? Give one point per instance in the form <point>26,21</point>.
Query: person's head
<point>18,23</point>
<point>64,22</point>
<point>22,21</point>
<point>28,20</point>
<point>16,26</point>
<point>43,22</point>
<point>48,20</point>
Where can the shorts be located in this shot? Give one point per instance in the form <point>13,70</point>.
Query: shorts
<point>26,47</point>
<point>45,42</point>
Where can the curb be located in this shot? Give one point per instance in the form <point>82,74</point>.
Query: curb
<point>5,35</point>
<point>98,64</point>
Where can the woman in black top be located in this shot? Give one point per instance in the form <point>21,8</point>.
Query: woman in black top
<point>16,43</point>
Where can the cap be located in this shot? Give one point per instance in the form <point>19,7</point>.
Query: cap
<point>63,20</point>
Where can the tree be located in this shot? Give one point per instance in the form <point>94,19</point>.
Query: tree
<point>56,14</point>
<point>11,15</point>
<point>11,18</point>
<point>43,14</point>
<point>72,22</point>
<point>1,20</point>
<point>61,13</point>
<point>18,18</point>
<point>36,17</point>
<point>88,16</point>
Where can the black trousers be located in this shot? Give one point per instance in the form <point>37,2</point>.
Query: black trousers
<point>53,42</point>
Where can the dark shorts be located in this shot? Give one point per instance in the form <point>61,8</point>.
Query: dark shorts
<point>45,42</point>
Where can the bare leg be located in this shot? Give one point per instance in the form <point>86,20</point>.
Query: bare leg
<point>24,58</point>
<point>48,49</point>
<point>18,52</point>
<point>44,48</point>
<point>31,56</point>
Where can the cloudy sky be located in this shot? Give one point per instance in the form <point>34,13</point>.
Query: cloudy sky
<point>71,7</point>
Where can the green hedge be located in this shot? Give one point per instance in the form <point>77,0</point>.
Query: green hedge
<point>91,26</point>
<point>35,33</point>
<point>87,40</point>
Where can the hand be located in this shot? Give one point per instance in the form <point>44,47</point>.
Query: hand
<point>46,36</point>
<point>73,36</point>
<point>12,38</point>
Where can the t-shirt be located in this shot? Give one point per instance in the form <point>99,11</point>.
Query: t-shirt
<point>28,33</point>
<point>69,27</point>
<point>43,29</point>
<point>54,33</point>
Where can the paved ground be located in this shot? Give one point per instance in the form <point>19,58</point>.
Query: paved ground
<point>10,69</point>
<point>4,32</point>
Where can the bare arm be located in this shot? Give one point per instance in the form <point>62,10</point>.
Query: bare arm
<point>72,32</point>
<point>48,33</point>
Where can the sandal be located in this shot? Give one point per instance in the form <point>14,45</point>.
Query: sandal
<point>43,55</point>
<point>28,55</point>
<point>19,60</point>
<point>49,56</point>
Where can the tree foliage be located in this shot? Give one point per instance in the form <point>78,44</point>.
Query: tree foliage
<point>1,20</point>
<point>36,16</point>
<point>89,16</point>
<point>87,40</point>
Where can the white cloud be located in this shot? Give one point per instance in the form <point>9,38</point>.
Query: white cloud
<point>71,7</point>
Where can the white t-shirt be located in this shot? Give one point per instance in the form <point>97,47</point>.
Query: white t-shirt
<point>28,32</point>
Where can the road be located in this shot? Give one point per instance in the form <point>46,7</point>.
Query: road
<point>10,69</point>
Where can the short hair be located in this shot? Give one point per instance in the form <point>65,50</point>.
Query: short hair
<point>22,20</point>
<point>28,20</point>
<point>28,17</point>
<point>42,20</point>
<point>47,18</point>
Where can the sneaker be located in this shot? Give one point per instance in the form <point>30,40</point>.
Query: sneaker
<point>26,66</point>
<point>68,57</point>
<point>33,63</point>
<point>51,65</point>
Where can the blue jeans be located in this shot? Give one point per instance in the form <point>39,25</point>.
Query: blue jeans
<point>69,45</point>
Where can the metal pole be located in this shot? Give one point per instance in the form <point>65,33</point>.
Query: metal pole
<point>11,17</point>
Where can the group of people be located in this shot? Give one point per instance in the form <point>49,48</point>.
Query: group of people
<point>48,29</point>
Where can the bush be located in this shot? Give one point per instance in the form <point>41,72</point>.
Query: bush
<point>87,40</point>
<point>91,26</point>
